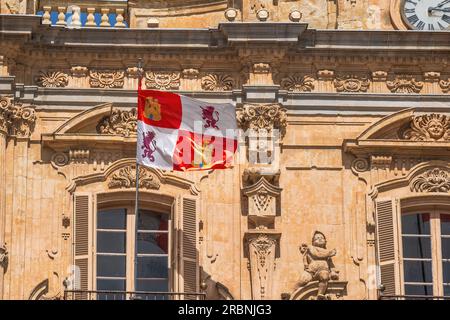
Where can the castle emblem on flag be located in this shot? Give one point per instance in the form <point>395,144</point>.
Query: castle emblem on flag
<point>205,152</point>
<point>149,145</point>
<point>152,109</point>
<point>211,116</point>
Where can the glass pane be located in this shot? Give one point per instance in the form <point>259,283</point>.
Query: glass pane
<point>445,248</point>
<point>412,290</point>
<point>110,242</point>
<point>445,224</point>
<point>110,285</point>
<point>417,271</point>
<point>447,291</point>
<point>153,285</point>
<point>152,243</point>
<point>149,220</point>
<point>112,219</point>
<point>415,247</point>
<point>446,271</point>
<point>110,266</point>
<point>152,267</point>
<point>416,223</point>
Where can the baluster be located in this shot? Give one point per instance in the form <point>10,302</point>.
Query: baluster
<point>61,16</point>
<point>46,16</point>
<point>105,18</point>
<point>119,18</point>
<point>90,18</point>
<point>76,22</point>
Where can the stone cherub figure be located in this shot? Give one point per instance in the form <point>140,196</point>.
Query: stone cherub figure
<point>318,264</point>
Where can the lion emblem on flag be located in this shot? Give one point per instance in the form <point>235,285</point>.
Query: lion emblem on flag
<point>211,117</point>
<point>148,145</point>
<point>152,109</point>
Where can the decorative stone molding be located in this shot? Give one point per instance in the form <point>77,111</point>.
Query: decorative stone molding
<point>55,79</point>
<point>106,79</point>
<point>379,75</point>
<point>79,156</point>
<point>79,71</point>
<point>217,82</point>
<point>126,178</point>
<point>263,116</point>
<point>325,74</point>
<point>122,122</point>
<point>134,72</point>
<point>404,84</point>
<point>4,256</point>
<point>297,83</point>
<point>351,83</point>
<point>190,73</point>
<point>162,80</point>
<point>427,127</point>
<point>253,174</point>
<point>65,221</point>
<point>16,119</point>
<point>262,198</point>
<point>381,161</point>
<point>431,76</point>
<point>336,291</point>
<point>261,68</point>
<point>261,250</point>
<point>433,180</point>
<point>445,85</point>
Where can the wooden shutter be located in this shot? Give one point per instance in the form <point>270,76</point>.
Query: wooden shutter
<point>386,245</point>
<point>189,256</point>
<point>81,247</point>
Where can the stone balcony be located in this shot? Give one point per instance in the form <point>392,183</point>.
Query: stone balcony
<point>81,13</point>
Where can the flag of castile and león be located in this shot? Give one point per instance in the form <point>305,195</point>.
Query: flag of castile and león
<point>176,132</point>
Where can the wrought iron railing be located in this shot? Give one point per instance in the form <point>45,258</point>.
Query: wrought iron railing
<point>130,295</point>
<point>409,297</point>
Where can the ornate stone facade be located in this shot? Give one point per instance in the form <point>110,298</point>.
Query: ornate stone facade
<point>362,117</point>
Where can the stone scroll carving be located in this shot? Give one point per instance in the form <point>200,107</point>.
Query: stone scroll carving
<point>351,83</point>
<point>126,178</point>
<point>217,82</point>
<point>3,256</point>
<point>318,265</point>
<point>296,83</point>
<point>16,119</point>
<point>265,116</point>
<point>427,127</point>
<point>404,84</point>
<point>122,122</point>
<point>433,180</point>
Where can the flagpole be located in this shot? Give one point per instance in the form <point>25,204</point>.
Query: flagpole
<point>136,204</point>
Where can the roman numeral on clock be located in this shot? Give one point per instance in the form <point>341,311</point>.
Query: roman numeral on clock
<point>430,26</point>
<point>410,10</point>
<point>410,1</point>
<point>413,19</point>
<point>446,18</point>
<point>420,25</point>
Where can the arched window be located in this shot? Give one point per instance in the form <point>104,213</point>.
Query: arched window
<point>425,252</point>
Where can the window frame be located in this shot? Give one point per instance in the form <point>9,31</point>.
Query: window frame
<point>435,207</point>
<point>130,241</point>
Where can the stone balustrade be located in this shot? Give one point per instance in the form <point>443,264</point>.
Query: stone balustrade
<point>91,13</point>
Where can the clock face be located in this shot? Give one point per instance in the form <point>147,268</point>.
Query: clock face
<point>426,14</point>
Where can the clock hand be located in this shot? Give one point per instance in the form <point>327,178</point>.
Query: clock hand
<point>439,9</point>
<point>442,3</point>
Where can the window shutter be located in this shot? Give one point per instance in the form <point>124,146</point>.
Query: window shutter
<point>81,247</point>
<point>386,245</point>
<point>188,246</point>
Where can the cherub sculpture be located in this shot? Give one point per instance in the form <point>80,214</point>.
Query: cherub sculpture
<point>318,264</point>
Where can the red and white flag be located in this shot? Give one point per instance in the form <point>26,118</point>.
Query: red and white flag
<point>180,133</point>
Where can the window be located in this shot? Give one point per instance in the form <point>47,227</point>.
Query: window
<point>115,252</point>
<point>425,238</point>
